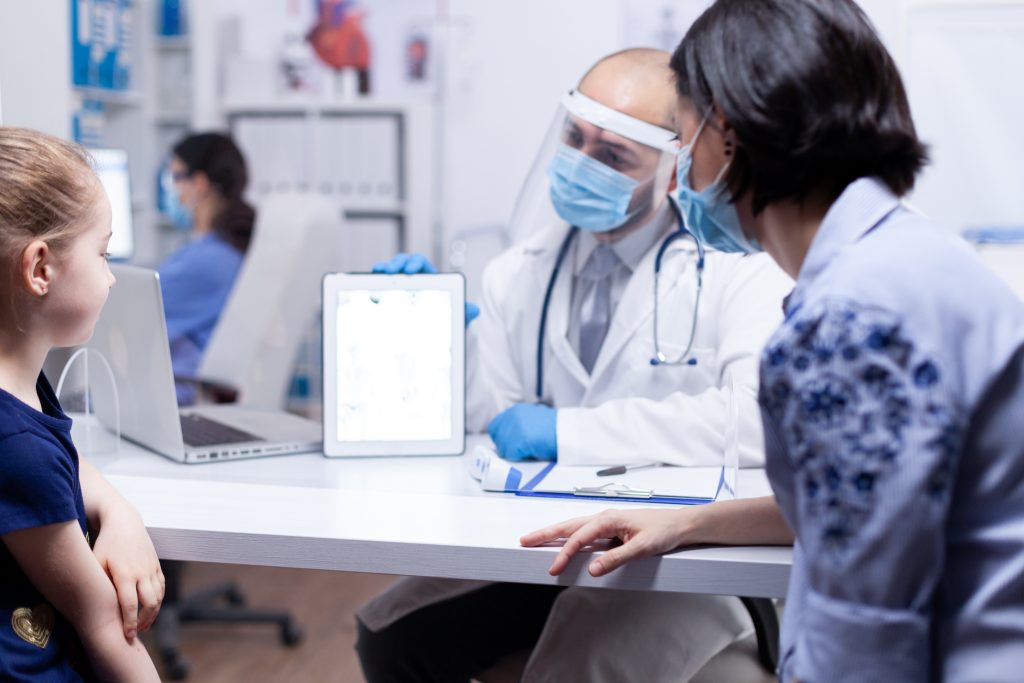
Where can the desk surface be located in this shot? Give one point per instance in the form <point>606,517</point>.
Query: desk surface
<point>410,516</point>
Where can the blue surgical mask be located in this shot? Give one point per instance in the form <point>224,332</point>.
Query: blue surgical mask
<point>709,214</point>
<point>588,194</point>
<point>177,213</point>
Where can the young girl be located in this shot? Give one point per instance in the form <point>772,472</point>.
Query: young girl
<point>57,595</point>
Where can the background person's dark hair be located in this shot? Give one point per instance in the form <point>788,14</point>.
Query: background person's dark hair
<point>815,99</point>
<point>219,158</point>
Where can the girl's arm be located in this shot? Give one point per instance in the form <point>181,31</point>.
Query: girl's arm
<point>750,521</point>
<point>124,551</point>
<point>60,564</point>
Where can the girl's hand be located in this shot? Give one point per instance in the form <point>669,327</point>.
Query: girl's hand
<point>642,532</point>
<point>126,554</point>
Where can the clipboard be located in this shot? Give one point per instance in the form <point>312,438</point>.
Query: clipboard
<point>668,484</point>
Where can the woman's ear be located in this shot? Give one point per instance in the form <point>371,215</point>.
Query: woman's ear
<point>200,183</point>
<point>36,268</point>
<point>728,132</point>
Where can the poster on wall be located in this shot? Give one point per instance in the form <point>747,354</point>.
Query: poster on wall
<point>332,49</point>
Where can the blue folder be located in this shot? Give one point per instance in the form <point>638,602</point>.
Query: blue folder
<point>620,495</point>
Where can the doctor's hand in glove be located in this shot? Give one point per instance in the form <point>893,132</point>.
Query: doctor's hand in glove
<point>415,264</point>
<point>526,430</point>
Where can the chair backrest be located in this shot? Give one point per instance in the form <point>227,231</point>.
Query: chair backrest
<point>253,348</point>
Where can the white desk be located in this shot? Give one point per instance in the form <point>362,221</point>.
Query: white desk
<point>410,516</point>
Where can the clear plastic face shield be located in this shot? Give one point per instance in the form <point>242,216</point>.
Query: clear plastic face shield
<point>597,169</point>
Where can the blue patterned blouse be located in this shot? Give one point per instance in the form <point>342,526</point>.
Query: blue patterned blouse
<point>893,406</point>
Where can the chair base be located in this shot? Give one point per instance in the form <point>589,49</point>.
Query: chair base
<point>201,606</point>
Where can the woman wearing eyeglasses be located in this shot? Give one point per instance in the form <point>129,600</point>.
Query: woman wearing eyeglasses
<point>209,176</point>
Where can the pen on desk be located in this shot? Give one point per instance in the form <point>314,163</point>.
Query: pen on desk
<point>622,469</point>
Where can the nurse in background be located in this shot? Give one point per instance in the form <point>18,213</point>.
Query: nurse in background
<point>892,393</point>
<point>209,175</point>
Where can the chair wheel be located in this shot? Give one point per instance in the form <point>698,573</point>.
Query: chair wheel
<point>291,634</point>
<point>177,669</point>
<point>235,597</point>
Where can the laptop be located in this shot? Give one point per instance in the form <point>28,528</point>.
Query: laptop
<point>131,334</point>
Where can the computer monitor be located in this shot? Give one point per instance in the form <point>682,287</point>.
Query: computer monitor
<point>112,168</point>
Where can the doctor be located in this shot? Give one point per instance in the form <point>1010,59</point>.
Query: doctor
<point>605,336</point>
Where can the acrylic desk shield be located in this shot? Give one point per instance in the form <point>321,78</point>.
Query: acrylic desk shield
<point>88,392</point>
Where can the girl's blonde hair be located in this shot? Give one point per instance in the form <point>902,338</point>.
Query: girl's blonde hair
<point>47,192</point>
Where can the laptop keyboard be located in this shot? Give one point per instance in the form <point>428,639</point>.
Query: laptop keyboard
<point>198,431</point>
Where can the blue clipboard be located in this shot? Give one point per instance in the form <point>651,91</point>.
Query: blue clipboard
<point>609,492</point>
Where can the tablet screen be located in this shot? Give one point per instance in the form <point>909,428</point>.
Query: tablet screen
<point>394,365</point>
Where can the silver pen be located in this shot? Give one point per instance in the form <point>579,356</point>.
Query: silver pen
<point>622,469</point>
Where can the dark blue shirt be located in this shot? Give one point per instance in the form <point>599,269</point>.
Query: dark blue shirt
<point>39,485</point>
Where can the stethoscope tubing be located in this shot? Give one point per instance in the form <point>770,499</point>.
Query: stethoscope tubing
<point>658,358</point>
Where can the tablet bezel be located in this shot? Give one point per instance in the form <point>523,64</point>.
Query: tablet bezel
<point>454,284</point>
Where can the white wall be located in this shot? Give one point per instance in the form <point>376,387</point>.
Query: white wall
<point>505,65</point>
<point>35,65</point>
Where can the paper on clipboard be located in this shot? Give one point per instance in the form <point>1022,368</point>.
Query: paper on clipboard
<point>691,483</point>
<point>496,474</point>
<point>666,484</point>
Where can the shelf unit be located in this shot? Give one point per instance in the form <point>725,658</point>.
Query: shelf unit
<point>363,153</point>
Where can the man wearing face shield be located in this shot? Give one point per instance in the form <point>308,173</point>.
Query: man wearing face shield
<point>568,366</point>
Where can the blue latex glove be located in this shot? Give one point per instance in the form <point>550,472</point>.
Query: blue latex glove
<point>414,264</point>
<point>409,264</point>
<point>526,430</point>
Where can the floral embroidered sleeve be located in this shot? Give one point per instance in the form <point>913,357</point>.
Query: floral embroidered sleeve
<point>863,439</point>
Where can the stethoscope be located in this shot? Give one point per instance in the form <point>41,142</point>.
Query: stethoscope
<point>659,358</point>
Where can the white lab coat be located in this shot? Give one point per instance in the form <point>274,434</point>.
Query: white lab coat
<point>626,411</point>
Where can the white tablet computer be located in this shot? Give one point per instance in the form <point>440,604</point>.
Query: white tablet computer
<point>394,364</point>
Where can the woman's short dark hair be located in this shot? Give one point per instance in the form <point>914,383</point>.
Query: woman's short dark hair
<point>815,99</point>
<point>219,158</point>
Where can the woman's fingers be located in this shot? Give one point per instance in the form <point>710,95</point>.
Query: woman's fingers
<point>612,559</point>
<point>601,526</point>
<point>553,532</point>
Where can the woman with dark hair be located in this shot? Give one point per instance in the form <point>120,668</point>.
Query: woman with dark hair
<point>209,176</point>
<point>891,395</point>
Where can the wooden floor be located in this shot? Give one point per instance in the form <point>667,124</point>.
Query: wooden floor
<point>323,603</point>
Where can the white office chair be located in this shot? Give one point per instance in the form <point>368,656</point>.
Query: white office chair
<point>252,351</point>
<point>297,239</point>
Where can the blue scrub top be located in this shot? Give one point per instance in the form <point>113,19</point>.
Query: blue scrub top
<point>196,281</point>
<point>39,486</point>
<point>891,398</point>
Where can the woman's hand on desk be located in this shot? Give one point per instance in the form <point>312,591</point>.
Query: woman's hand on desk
<point>642,532</point>
<point>752,521</point>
